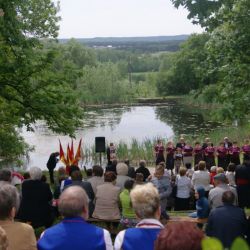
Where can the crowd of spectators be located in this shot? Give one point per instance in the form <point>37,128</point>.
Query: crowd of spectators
<point>137,199</point>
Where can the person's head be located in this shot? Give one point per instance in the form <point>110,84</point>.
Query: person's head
<point>122,169</point>
<point>110,177</point>
<point>235,143</point>
<point>202,165</point>
<point>197,144</point>
<point>127,162</point>
<point>44,178</point>
<point>159,171</point>
<point>213,169</point>
<point>9,201</point>
<point>182,171</point>
<point>73,202</point>
<point>231,167</point>
<point>35,173</point>
<point>169,238</point>
<point>226,140</point>
<point>200,192</point>
<point>26,175</point>
<point>139,178</point>
<point>209,144</point>
<point>142,163</point>
<point>196,166</point>
<point>56,154</point>
<point>220,170</point>
<point>169,143</point>
<point>246,141</point>
<point>188,165</point>
<point>114,163</point>
<point>207,140</point>
<point>228,197</point>
<point>111,144</point>
<point>182,140</point>
<point>163,164</point>
<point>89,172</point>
<point>73,168</point>
<point>221,144</point>
<point>159,141</point>
<point>76,175</point>
<point>97,171</point>
<point>129,184</point>
<point>146,201</point>
<point>5,175</point>
<point>4,244</point>
<point>220,179</point>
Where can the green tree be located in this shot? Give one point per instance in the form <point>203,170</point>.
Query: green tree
<point>30,88</point>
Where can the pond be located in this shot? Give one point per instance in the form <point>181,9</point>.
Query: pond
<point>121,124</point>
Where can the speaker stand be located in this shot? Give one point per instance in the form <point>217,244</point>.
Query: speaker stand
<point>100,155</point>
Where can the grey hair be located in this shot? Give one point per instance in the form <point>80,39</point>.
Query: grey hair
<point>35,173</point>
<point>73,201</point>
<point>5,175</point>
<point>9,198</point>
<point>145,200</point>
<point>122,169</point>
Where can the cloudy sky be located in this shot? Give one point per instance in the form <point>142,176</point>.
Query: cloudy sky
<point>114,18</point>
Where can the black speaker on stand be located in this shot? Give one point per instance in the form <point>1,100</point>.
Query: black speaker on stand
<point>100,146</point>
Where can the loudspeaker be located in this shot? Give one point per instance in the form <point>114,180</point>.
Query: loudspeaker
<point>100,145</point>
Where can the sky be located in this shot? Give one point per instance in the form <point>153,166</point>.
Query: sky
<point>122,18</point>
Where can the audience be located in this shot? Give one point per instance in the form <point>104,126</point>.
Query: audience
<point>112,167</point>
<point>230,174</point>
<point>143,170</point>
<point>128,214</point>
<point>4,244</point>
<point>97,178</point>
<point>215,194</point>
<point>183,190</point>
<point>146,203</point>
<point>20,235</point>
<point>179,236</point>
<point>5,175</point>
<point>201,177</point>
<point>122,172</point>
<point>227,222</point>
<point>77,181</point>
<point>162,183</point>
<point>35,205</point>
<point>107,199</point>
<point>73,232</point>
<point>131,170</point>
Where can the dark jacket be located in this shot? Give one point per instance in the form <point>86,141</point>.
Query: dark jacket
<point>144,171</point>
<point>202,205</point>
<point>89,191</point>
<point>227,223</point>
<point>35,204</point>
<point>51,164</point>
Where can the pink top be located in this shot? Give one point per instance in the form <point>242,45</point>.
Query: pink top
<point>234,151</point>
<point>198,150</point>
<point>187,150</point>
<point>209,150</point>
<point>170,150</point>
<point>222,151</point>
<point>246,149</point>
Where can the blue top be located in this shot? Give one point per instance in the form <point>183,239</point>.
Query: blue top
<point>202,205</point>
<point>72,233</point>
<point>140,238</point>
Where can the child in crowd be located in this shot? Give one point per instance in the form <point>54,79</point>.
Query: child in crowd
<point>202,205</point>
<point>128,215</point>
<point>190,171</point>
<point>220,170</point>
<point>178,159</point>
<point>230,174</point>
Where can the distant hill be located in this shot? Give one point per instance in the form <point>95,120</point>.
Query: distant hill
<point>134,44</point>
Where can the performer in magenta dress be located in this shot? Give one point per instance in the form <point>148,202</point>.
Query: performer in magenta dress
<point>170,150</point>
<point>222,153</point>
<point>187,154</point>
<point>210,156</point>
<point>246,149</point>
<point>234,152</point>
<point>159,152</point>
<point>198,153</point>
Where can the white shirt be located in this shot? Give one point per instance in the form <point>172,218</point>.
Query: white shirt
<point>231,178</point>
<point>146,223</point>
<point>183,187</point>
<point>201,178</point>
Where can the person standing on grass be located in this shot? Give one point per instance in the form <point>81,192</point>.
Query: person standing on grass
<point>51,165</point>
<point>187,154</point>
<point>246,149</point>
<point>234,153</point>
<point>170,149</point>
<point>159,152</point>
<point>222,154</point>
<point>198,153</point>
<point>209,155</point>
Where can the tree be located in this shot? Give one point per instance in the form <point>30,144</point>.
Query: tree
<point>30,88</point>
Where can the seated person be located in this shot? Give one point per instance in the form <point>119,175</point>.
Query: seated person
<point>4,244</point>
<point>20,235</point>
<point>143,170</point>
<point>97,177</point>
<point>68,181</point>
<point>146,203</point>
<point>74,232</point>
<point>128,215</point>
<point>107,199</point>
<point>202,205</point>
<point>169,238</point>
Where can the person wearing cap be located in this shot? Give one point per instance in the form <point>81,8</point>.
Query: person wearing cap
<point>242,179</point>
<point>215,194</point>
<point>227,222</point>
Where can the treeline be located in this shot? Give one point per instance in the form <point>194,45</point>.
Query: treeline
<point>214,66</point>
